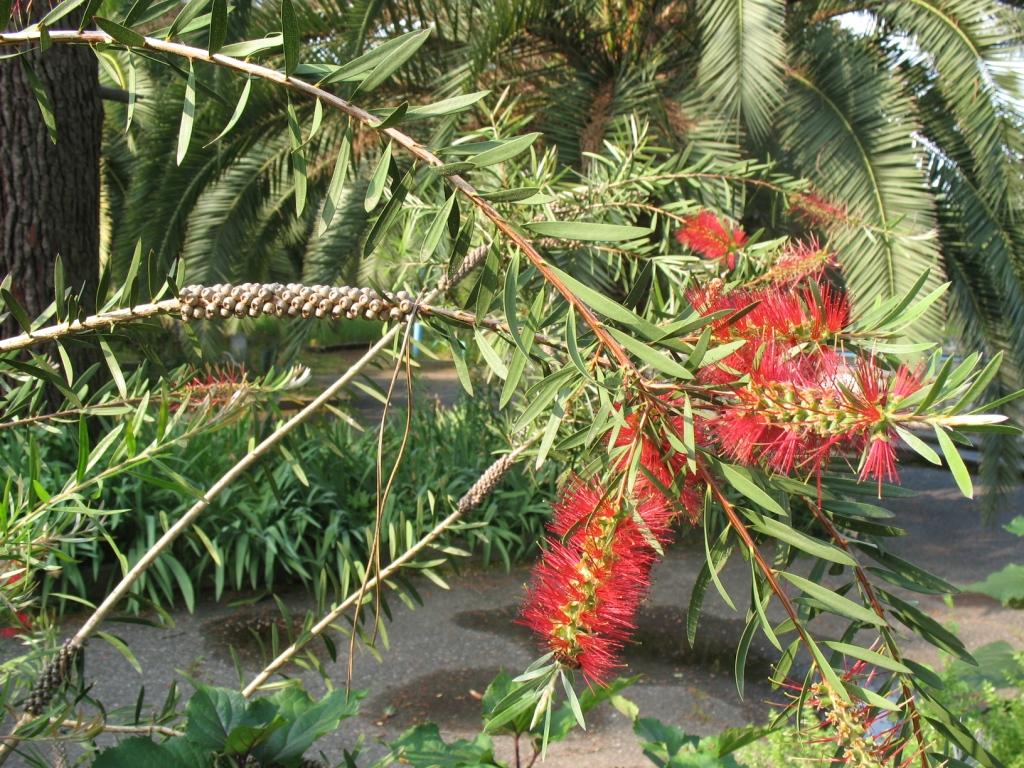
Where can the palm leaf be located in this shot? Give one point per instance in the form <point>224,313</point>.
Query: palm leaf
<point>742,59</point>
<point>848,126</point>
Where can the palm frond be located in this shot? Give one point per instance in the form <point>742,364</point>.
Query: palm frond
<point>742,59</point>
<point>848,126</point>
<point>974,48</point>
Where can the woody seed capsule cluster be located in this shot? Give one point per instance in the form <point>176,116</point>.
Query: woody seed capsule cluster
<point>292,300</point>
<point>53,676</point>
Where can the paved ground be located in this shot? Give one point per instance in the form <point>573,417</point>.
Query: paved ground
<point>442,656</point>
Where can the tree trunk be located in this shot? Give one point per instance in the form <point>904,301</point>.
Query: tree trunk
<point>50,193</point>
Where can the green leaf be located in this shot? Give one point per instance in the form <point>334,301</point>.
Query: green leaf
<point>55,14</point>
<point>740,479</point>
<point>657,360</point>
<point>574,703</point>
<point>423,746</point>
<point>587,230</point>
<point>436,229</point>
<point>379,177</point>
<point>492,358</point>
<point>121,647</point>
<point>139,751</point>
<point>304,723</point>
<point>461,369</point>
<point>509,297</point>
<point>213,713</point>
<point>605,306</point>
<point>445,106</point>
<point>13,306</point>
<point>955,462</point>
<point>187,14</point>
<point>243,99</point>
<point>218,25</point>
<point>777,529</point>
<point>920,446</point>
<point>871,657</point>
<point>298,157</point>
<point>1015,526</point>
<point>572,342</point>
<point>504,151</point>
<point>1005,585</point>
<point>42,99</point>
<point>394,58</point>
<point>742,648</point>
<point>121,34</point>
<point>115,369</point>
<point>188,114</point>
<point>290,36</point>
<point>510,195</point>
<point>832,601</point>
<point>337,186</point>
<point>389,215</point>
<point>394,117</point>
<point>247,48</point>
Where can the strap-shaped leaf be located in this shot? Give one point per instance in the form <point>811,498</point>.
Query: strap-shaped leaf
<point>188,114</point>
<point>289,36</point>
<point>832,601</point>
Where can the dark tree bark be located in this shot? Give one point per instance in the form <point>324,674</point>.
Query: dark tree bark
<point>50,193</point>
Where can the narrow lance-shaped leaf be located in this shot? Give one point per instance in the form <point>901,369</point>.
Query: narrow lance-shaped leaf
<point>337,185</point>
<point>378,179</point>
<point>120,33</point>
<point>298,157</point>
<point>243,99</point>
<point>188,114</point>
<point>218,25</point>
<point>436,230</point>
<point>42,99</point>
<point>290,35</point>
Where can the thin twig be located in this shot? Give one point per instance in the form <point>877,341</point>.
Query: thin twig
<point>472,497</point>
<point>145,730</point>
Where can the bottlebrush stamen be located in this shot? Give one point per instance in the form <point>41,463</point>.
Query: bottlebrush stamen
<point>706,234</point>
<point>866,736</point>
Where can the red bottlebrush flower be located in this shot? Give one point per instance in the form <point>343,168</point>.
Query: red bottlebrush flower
<point>25,624</point>
<point>799,260</point>
<point>816,210</point>
<point>589,581</point>
<point>706,234</point>
<point>880,461</point>
<point>794,413</point>
<point>775,313</point>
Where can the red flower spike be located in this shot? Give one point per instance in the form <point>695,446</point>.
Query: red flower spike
<point>25,625</point>
<point>591,578</point>
<point>800,260</point>
<point>795,412</point>
<point>816,210</point>
<point>706,234</point>
<point>776,313</point>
